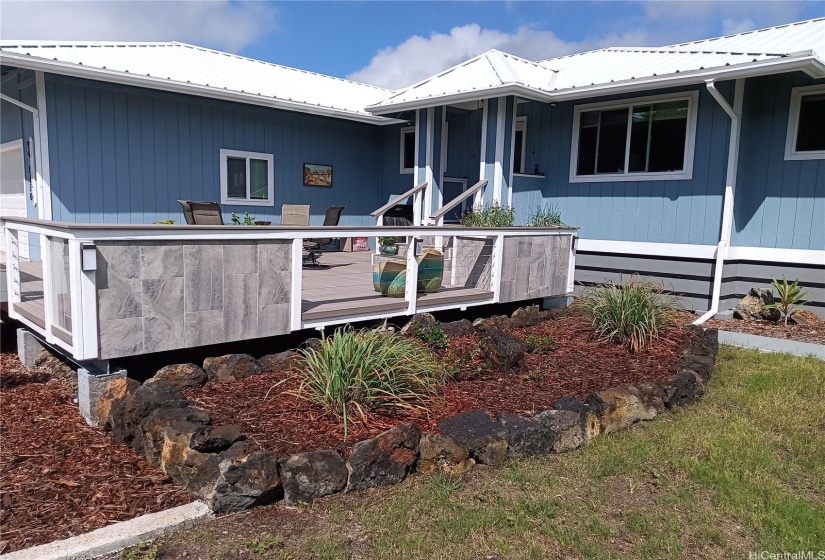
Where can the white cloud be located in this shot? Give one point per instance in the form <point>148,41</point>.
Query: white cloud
<point>219,23</point>
<point>419,57</point>
<point>732,25</point>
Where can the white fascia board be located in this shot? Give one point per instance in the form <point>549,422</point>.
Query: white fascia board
<point>150,82</point>
<point>774,255</point>
<point>462,97</point>
<point>682,250</point>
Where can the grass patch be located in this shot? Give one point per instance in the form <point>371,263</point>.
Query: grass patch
<point>743,470</point>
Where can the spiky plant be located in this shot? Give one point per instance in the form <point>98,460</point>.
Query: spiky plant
<point>790,297</point>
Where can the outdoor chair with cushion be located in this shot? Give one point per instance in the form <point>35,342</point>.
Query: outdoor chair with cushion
<point>202,213</point>
<point>324,244</point>
<point>295,215</point>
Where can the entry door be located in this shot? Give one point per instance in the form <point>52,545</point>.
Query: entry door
<point>13,189</point>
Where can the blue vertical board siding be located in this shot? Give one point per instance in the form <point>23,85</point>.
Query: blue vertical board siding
<point>778,203</point>
<point>651,211</point>
<point>121,154</point>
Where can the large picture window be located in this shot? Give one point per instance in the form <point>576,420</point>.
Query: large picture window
<point>247,178</point>
<point>650,138</point>
<point>806,123</point>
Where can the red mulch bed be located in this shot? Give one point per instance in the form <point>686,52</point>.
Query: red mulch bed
<point>58,476</point>
<point>577,366</point>
<point>815,335</point>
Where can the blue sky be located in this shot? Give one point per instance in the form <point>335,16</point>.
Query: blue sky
<point>394,43</point>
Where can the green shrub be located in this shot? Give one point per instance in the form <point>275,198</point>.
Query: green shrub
<point>790,297</point>
<point>539,344</point>
<point>247,219</point>
<point>433,336</point>
<point>546,215</point>
<point>354,371</point>
<point>164,222</point>
<point>387,241</point>
<point>631,314</point>
<point>489,216</point>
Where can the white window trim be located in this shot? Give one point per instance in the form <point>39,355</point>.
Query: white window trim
<point>401,167</point>
<point>690,141</point>
<point>521,124</point>
<point>270,168</point>
<point>797,94</point>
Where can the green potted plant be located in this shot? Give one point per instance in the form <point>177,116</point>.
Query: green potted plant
<point>387,245</point>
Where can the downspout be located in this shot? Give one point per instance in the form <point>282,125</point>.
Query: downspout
<point>734,113</point>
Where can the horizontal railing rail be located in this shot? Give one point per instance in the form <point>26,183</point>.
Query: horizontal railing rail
<point>458,200</point>
<point>414,192</point>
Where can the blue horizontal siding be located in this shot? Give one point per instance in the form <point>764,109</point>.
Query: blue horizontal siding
<point>778,203</point>
<point>122,154</point>
<point>652,211</point>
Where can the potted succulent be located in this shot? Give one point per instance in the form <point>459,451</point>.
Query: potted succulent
<point>388,246</point>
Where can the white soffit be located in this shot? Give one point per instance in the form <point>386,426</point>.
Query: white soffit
<point>210,70</point>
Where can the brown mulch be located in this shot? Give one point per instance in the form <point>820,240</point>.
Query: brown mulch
<point>58,476</point>
<point>577,366</point>
<point>815,335</point>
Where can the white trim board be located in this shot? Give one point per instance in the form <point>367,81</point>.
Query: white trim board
<point>270,178</point>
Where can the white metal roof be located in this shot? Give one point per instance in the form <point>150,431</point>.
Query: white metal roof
<point>178,66</point>
<point>780,39</point>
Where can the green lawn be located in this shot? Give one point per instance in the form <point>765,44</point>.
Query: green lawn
<point>743,470</point>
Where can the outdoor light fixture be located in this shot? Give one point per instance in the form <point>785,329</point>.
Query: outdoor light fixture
<point>89,257</point>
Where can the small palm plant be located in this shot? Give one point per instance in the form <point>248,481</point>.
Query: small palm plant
<point>790,297</point>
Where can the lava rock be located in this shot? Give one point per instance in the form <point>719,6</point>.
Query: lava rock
<point>752,306</point>
<point>801,317</point>
<point>244,480</point>
<point>112,398</point>
<point>500,322</point>
<point>385,459</point>
<point>590,423</point>
<point>701,342</point>
<point>651,394</point>
<point>279,361</point>
<point>418,321</point>
<point>703,365</point>
<point>526,316</point>
<point>308,476</point>
<point>137,405</point>
<point>231,367</point>
<point>685,388</point>
<point>216,439</point>
<point>505,351</point>
<point>462,327</point>
<point>480,435</point>
<point>314,344</point>
<point>617,409</point>
<point>181,376</point>
<point>526,436</point>
<point>439,453</point>
<point>564,428</point>
<point>183,422</point>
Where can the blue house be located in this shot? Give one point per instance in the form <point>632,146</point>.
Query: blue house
<point>700,164</point>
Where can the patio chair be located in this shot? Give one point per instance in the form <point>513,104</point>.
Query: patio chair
<point>295,215</point>
<point>200,213</point>
<point>324,244</point>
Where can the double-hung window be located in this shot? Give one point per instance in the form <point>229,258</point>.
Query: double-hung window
<point>650,138</point>
<point>520,145</point>
<point>247,178</point>
<point>806,124</point>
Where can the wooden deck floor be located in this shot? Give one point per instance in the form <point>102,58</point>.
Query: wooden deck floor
<point>31,290</point>
<point>345,289</point>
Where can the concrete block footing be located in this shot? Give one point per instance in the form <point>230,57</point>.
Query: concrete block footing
<point>28,346</point>
<point>90,384</point>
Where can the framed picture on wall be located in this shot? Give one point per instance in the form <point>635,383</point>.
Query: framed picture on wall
<point>317,175</point>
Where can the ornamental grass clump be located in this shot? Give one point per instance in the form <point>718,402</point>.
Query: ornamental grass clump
<point>355,371</point>
<point>489,216</point>
<point>632,314</point>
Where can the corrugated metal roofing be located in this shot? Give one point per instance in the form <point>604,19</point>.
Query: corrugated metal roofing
<point>187,64</point>
<point>788,38</point>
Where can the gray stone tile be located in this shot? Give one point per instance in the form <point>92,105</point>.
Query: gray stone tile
<point>275,275</point>
<point>161,260</point>
<point>121,337</point>
<point>120,300</point>
<point>274,319</point>
<point>203,279</point>
<point>240,258</point>
<point>525,247</point>
<point>240,306</point>
<point>203,328</point>
<point>163,314</point>
<point>119,259</point>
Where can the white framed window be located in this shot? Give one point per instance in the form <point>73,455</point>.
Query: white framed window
<point>520,146</point>
<point>642,139</point>
<point>247,178</point>
<point>806,123</point>
<point>407,155</point>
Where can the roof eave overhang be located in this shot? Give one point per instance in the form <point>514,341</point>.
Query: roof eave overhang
<point>809,64</point>
<point>461,97</point>
<point>113,76</point>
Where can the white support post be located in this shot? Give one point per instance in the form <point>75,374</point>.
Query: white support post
<point>478,199</point>
<point>296,284</point>
<point>428,168</point>
<point>12,270</point>
<point>495,271</point>
<point>453,260</point>
<point>417,209</point>
<point>411,287</point>
<point>48,286</point>
<point>76,297</point>
<point>89,345</point>
<point>571,266</point>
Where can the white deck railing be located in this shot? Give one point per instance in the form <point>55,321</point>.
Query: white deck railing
<point>81,340</point>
